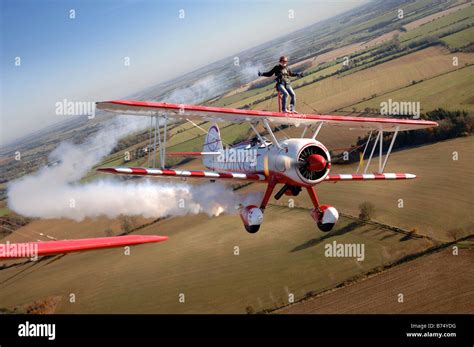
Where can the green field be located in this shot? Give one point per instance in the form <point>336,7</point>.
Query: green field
<point>460,39</point>
<point>443,24</point>
<point>451,91</point>
<point>4,211</point>
<point>338,93</point>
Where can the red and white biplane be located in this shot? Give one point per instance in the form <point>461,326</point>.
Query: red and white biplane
<point>296,163</point>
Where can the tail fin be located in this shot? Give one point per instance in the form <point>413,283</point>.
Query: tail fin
<point>212,143</point>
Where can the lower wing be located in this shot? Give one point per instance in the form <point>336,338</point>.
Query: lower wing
<point>245,176</point>
<point>370,177</point>
<point>33,249</point>
<point>181,173</point>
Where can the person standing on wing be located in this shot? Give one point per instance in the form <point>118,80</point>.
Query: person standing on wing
<point>283,74</point>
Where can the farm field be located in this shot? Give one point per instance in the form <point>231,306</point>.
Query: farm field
<point>451,91</point>
<point>430,18</point>
<point>199,260</point>
<point>338,93</point>
<point>460,39</point>
<point>450,21</point>
<point>437,283</point>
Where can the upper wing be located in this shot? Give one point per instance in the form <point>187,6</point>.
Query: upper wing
<point>207,113</point>
<point>138,171</point>
<point>32,249</point>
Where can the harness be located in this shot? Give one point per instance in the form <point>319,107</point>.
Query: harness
<point>282,75</point>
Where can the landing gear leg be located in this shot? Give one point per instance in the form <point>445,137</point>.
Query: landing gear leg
<point>268,193</point>
<point>313,196</point>
<point>316,211</point>
<point>325,216</point>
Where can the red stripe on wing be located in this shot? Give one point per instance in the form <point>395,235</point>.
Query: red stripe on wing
<point>138,171</point>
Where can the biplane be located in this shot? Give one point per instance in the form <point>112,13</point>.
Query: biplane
<point>294,163</point>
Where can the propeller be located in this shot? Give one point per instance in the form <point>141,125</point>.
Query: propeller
<point>310,163</point>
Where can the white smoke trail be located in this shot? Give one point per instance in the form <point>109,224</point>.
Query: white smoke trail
<point>55,191</point>
<point>201,90</point>
<point>250,71</point>
<point>113,198</point>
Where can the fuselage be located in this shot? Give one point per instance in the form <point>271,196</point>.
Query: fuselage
<point>285,162</point>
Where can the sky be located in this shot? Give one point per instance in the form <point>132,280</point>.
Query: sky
<point>83,58</point>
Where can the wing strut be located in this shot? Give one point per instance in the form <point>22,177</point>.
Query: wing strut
<point>154,142</point>
<point>149,141</point>
<point>379,142</point>
<point>156,124</point>
<point>304,131</point>
<point>269,129</point>
<point>372,152</point>
<point>316,132</point>
<point>390,147</point>
<point>258,135</point>
<point>363,153</point>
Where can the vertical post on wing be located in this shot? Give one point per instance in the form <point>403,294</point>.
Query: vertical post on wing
<point>279,101</point>
<point>161,144</point>
<point>390,148</point>
<point>149,140</point>
<point>163,147</point>
<point>363,153</point>
<point>380,151</point>
<point>154,143</point>
<point>159,141</point>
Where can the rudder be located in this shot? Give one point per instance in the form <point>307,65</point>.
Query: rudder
<point>212,143</point>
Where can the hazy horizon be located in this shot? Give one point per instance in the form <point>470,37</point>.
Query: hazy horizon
<point>81,58</point>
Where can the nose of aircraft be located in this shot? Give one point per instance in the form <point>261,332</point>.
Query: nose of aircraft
<point>316,162</point>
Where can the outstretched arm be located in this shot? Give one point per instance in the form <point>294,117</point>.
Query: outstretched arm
<point>292,74</point>
<point>269,73</point>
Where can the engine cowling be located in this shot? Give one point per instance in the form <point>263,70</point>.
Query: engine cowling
<point>325,216</point>
<point>252,217</point>
<point>314,163</point>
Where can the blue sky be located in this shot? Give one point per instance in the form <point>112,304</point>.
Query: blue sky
<point>83,58</point>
